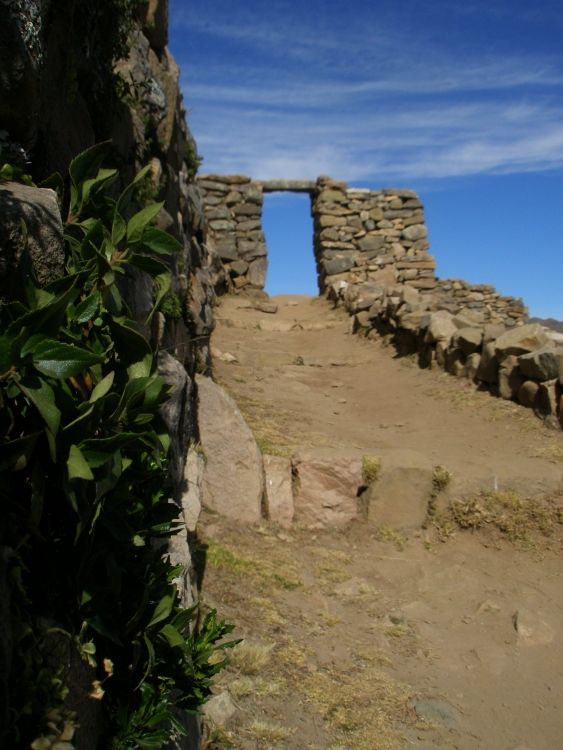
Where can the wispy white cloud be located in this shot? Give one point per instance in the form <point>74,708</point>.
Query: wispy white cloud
<point>368,98</point>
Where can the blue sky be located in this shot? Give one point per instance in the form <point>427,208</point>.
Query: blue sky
<point>462,101</point>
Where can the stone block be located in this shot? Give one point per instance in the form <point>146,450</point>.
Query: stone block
<point>249,250</point>
<point>520,340</point>
<point>489,364</point>
<point>468,339</point>
<point>455,363</point>
<point>220,710</point>
<point>247,209</point>
<point>326,486</point>
<point>527,394</point>
<point>38,208</point>
<point>257,272</point>
<point>327,220</point>
<point>440,327</point>
<point>371,242</point>
<point>415,232</point>
<point>510,379</point>
<point>543,364</point>
<point>279,490</point>
<point>472,365</point>
<point>239,268</point>
<point>399,496</point>
<point>233,480</point>
<point>338,265</point>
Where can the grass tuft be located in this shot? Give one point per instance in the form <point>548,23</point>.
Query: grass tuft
<point>261,730</point>
<point>388,534</point>
<point>250,658</point>
<point>370,468</point>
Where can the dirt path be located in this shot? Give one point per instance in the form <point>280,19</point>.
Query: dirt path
<point>352,641</point>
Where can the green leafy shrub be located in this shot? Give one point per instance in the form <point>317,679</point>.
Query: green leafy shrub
<point>85,496</point>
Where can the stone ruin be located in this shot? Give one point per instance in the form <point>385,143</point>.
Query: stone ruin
<point>370,239</point>
<point>371,250</point>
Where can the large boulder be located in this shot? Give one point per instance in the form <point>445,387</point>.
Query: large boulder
<point>469,340</point>
<point>279,490</point>
<point>233,480</point>
<point>520,340</point>
<point>399,496</point>
<point>326,487</point>
<point>440,327</point>
<point>488,365</point>
<point>510,379</point>
<point>544,364</point>
<point>38,208</point>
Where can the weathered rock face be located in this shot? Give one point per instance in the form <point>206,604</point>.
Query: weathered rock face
<point>543,364</point>
<point>233,480</point>
<point>399,496</point>
<point>326,486</point>
<point>39,210</point>
<point>279,490</point>
<point>521,340</point>
<point>56,100</point>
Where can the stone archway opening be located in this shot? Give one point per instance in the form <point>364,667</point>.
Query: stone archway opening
<point>364,241</point>
<point>288,229</point>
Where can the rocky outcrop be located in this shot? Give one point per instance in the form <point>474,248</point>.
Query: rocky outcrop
<point>279,490</point>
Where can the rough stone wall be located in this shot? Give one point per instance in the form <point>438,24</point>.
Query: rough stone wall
<point>370,239</point>
<point>147,126</point>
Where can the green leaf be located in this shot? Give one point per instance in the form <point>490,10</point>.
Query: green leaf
<point>118,229</point>
<point>105,626</point>
<point>58,360</point>
<point>103,180</point>
<point>137,223</point>
<point>163,282</point>
<point>93,240</point>
<point>42,397</point>
<point>5,359</point>
<point>88,308</point>
<point>55,182</point>
<point>77,465</point>
<point>103,387</point>
<point>86,164</point>
<point>149,265</point>
<point>133,350</point>
<point>173,637</point>
<point>160,242</point>
<point>164,607</point>
<point>12,450</point>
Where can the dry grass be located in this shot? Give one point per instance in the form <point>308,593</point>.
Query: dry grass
<point>523,521</point>
<point>370,468</point>
<point>330,570</point>
<point>241,688</point>
<point>329,620</point>
<point>269,610</point>
<point>551,450</point>
<point>271,566</point>
<point>277,432</point>
<point>271,733</point>
<point>388,534</point>
<point>251,658</point>
<point>361,704</point>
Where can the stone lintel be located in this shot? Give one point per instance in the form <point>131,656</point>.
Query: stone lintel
<point>291,186</point>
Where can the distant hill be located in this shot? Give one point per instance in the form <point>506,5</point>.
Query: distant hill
<point>555,325</point>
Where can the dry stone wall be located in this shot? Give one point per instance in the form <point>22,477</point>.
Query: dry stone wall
<point>372,253</point>
<point>371,240</point>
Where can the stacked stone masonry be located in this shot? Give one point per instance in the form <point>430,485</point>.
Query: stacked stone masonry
<point>370,239</point>
<point>372,253</point>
